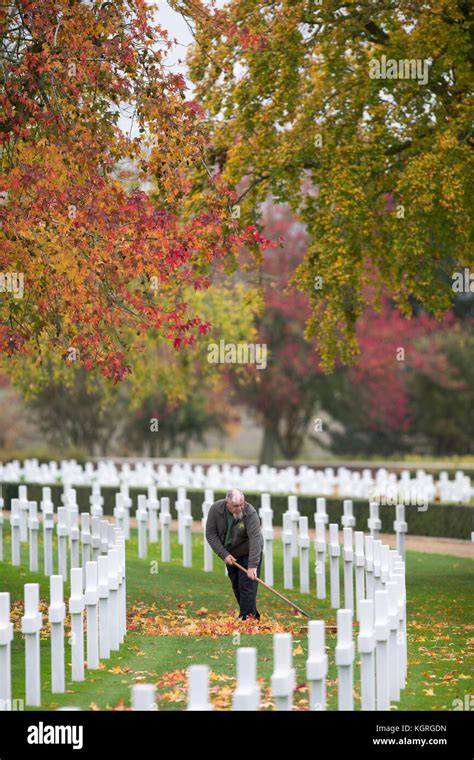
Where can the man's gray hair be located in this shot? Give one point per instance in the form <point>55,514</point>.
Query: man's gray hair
<point>233,496</point>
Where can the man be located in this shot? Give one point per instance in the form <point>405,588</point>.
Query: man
<point>233,532</point>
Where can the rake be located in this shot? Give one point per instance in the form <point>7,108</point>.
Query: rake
<point>274,591</point>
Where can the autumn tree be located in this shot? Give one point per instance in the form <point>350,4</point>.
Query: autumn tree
<point>440,390</point>
<point>283,396</point>
<point>378,168</point>
<point>83,255</point>
<point>72,408</point>
<point>16,427</point>
<point>177,397</point>
<point>163,427</point>
<point>369,403</point>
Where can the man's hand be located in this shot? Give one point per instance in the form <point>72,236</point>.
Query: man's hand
<point>252,573</point>
<point>229,560</point>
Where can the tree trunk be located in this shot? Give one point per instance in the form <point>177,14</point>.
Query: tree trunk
<point>269,445</point>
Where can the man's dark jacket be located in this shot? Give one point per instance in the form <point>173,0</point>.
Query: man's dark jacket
<point>246,533</point>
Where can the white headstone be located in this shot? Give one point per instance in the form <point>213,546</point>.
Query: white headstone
<point>377,544</point>
<point>345,660</point>
<point>153,509</point>
<point>316,664</point>
<point>24,506</point>
<point>95,538</point>
<point>359,569</point>
<point>247,693</point>
<point>143,697</point>
<point>208,553</point>
<point>31,627</point>
<point>198,688</point>
<point>287,538</point>
<point>1,529</point>
<point>120,513</point>
<point>295,515</point>
<point>283,678</point>
<point>348,557</point>
<point>334,553</point>
<point>381,630</point>
<point>142,519</point>
<point>321,510</point>
<point>121,574</point>
<point>62,533</point>
<point>400,527</point>
<point>165,522</point>
<point>33,528</point>
<point>114,599</point>
<point>15,531</point>
<point>74,536</point>
<point>348,519</point>
<point>6,638</point>
<point>391,588</point>
<point>303,542</point>
<point>104,612</point>
<point>267,533</point>
<point>369,567</point>
<point>91,598</point>
<point>366,647</point>
<point>374,523</point>
<point>187,526</point>
<point>56,615</point>
<point>320,549</point>
<point>76,611</point>
<point>48,528</point>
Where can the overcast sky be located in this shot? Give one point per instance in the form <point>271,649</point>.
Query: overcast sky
<point>177,29</point>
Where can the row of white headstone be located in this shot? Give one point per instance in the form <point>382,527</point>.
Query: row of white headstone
<point>296,540</point>
<point>98,587</point>
<point>381,645</point>
<point>342,482</point>
<point>75,546</point>
<point>329,481</point>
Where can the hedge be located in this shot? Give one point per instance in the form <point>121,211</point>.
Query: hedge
<point>440,519</point>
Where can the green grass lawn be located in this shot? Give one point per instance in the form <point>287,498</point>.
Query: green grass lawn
<point>180,616</point>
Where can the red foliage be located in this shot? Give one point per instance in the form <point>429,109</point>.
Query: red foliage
<point>378,371</point>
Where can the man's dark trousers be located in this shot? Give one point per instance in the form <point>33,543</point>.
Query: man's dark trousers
<point>245,590</point>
